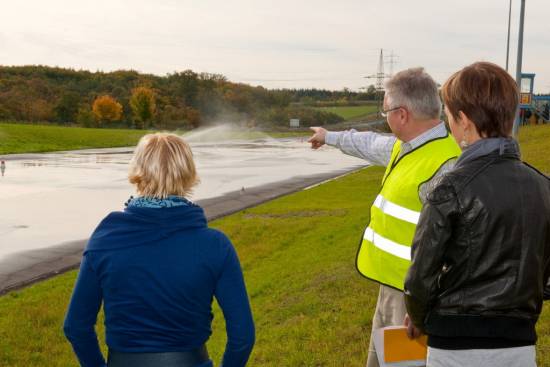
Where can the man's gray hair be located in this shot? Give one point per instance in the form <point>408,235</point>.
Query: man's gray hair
<point>415,90</point>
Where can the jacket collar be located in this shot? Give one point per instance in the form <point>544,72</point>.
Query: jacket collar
<point>483,147</point>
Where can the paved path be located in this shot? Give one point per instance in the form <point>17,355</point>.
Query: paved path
<point>27,267</point>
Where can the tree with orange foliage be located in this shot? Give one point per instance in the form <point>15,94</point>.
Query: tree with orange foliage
<point>106,109</point>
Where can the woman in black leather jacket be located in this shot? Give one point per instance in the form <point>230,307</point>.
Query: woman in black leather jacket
<point>481,253</point>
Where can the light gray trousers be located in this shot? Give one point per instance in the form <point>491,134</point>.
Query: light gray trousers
<point>504,357</point>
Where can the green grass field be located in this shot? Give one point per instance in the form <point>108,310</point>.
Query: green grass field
<point>351,112</point>
<point>311,307</point>
<point>535,146</point>
<point>25,138</point>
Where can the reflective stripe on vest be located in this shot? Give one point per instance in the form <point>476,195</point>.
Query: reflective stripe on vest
<point>385,251</point>
<point>397,211</point>
<point>402,251</point>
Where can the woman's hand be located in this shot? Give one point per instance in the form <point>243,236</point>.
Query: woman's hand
<point>412,331</point>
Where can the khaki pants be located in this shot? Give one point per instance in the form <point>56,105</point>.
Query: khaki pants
<point>390,311</point>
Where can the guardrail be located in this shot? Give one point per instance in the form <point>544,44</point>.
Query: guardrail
<point>542,112</point>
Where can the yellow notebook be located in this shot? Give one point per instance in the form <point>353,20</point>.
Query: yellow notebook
<point>398,347</point>
<point>395,349</point>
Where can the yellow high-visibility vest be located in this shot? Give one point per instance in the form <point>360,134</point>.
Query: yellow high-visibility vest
<point>385,251</point>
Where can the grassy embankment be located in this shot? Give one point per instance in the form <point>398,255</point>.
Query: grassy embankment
<point>351,112</point>
<point>311,307</point>
<point>24,138</point>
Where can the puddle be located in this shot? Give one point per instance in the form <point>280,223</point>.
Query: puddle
<point>62,196</point>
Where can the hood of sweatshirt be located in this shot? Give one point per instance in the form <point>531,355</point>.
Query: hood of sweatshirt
<point>136,226</point>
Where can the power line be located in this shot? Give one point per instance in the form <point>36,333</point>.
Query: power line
<point>380,76</point>
<point>392,62</point>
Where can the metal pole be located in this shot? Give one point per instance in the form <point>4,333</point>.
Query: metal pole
<point>508,39</point>
<point>520,59</point>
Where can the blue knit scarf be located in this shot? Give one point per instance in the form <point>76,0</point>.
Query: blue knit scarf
<point>149,202</point>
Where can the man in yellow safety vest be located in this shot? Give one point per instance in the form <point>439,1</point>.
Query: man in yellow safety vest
<point>416,156</point>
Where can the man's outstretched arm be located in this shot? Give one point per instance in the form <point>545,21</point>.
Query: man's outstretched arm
<point>373,147</point>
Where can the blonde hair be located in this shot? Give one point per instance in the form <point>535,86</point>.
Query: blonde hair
<point>163,165</point>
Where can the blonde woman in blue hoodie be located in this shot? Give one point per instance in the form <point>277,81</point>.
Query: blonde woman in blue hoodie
<point>155,267</point>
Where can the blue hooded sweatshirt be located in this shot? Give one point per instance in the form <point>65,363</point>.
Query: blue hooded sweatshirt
<point>156,270</point>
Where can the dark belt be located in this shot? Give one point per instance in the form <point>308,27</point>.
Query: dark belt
<point>191,358</point>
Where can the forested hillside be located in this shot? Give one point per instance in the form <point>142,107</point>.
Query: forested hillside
<point>130,99</point>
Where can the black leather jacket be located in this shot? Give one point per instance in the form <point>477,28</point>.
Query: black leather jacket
<point>481,253</point>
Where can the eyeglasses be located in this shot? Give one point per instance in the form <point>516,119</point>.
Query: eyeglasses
<point>385,113</point>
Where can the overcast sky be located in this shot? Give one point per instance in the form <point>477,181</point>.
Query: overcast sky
<point>277,44</point>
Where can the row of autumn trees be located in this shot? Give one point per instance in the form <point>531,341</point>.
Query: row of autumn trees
<point>106,109</point>
<point>131,99</point>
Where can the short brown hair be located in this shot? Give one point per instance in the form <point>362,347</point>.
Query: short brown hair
<point>163,165</point>
<point>485,93</point>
